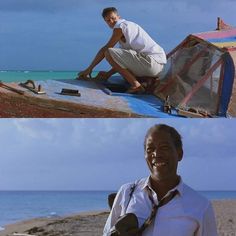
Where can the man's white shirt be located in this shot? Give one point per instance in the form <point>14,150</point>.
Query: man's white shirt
<point>187,214</point>
<point>139,40</point>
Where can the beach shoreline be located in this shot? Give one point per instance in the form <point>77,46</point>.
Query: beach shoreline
<point>83,223</point>
<point>92,223</point>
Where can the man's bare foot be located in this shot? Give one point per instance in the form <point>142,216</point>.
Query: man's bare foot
<point>136,90</point>
<point>149,83</point>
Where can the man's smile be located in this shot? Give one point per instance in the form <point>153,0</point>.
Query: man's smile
<point>156,163</point>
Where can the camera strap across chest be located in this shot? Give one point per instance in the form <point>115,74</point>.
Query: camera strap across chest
<point>155,207</point>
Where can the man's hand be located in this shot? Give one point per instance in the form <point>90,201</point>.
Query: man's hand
<point>102,75</point>
<point>86,74</point>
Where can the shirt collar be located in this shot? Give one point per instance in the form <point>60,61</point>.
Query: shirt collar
<point>179,187</point>
<point>119,21</point>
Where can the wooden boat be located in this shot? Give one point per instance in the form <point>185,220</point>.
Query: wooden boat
<point>95,100</point>
<point>198,81</point>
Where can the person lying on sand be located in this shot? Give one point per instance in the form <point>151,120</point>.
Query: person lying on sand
<point>161,204</point>
<point>138,56</point>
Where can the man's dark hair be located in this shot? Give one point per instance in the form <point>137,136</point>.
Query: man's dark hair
<point>107,10</point>
<point>176,137</point>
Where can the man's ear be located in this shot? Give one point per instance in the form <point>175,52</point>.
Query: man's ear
<point>180,153</point>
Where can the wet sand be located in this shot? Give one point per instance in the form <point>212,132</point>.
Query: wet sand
<point>83,224</point>
<point>92,223</point>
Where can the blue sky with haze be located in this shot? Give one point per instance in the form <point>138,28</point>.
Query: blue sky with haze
<point>66,34</point>
<point>102,154</point>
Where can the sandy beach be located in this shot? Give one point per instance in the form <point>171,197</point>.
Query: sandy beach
<point>92,223</point>
<point>225,212</point>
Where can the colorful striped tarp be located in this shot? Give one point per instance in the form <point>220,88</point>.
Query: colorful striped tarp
<point>223,38</point>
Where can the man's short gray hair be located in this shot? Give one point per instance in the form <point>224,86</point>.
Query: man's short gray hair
<point>176,137</point>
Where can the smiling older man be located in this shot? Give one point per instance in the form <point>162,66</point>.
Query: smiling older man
<point>138,56</point>
<point>162,203</point>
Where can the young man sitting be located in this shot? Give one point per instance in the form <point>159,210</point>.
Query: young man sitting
<point>138,56</point>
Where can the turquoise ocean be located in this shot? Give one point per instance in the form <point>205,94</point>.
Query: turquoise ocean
<point>21,205</point>
<point>20,76</point>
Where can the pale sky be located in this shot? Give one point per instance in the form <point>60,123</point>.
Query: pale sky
<point>66,34</point>
<point>102,154</point>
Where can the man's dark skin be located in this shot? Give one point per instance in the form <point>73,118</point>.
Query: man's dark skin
<point>162,157</point>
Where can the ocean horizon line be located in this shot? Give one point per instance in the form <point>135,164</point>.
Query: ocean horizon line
<point>45,70</point>
<point>90,190</point>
